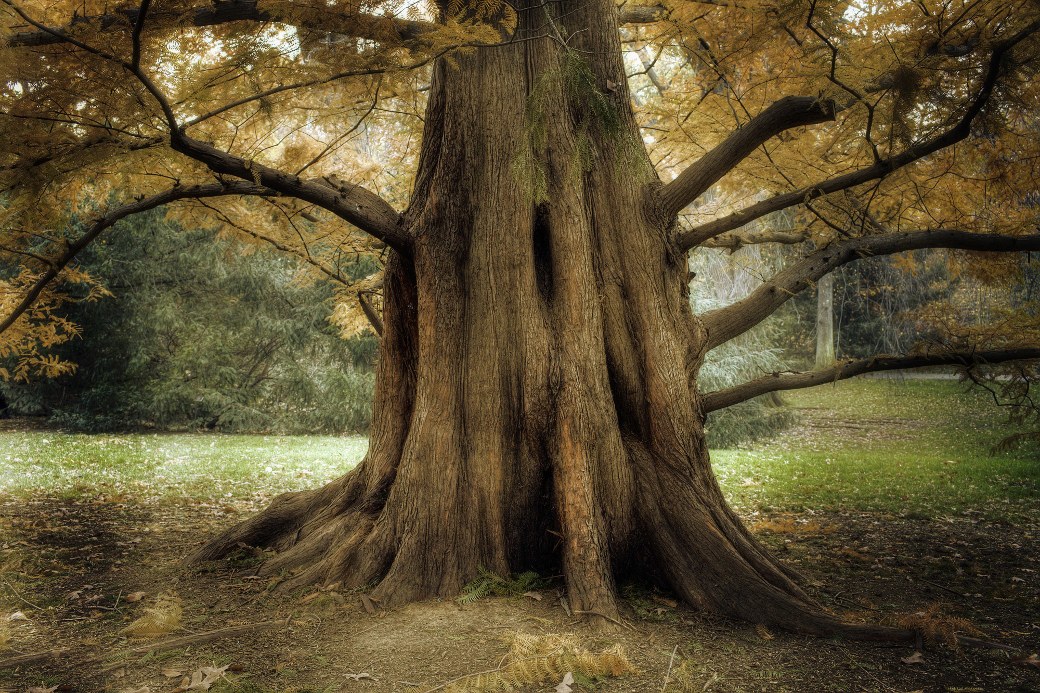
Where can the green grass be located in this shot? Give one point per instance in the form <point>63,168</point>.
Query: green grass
<point>922,448</point>
<point>171,466</point>
<point>919,448</point>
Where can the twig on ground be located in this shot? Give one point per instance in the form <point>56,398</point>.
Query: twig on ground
<point>34,658</point>
<point>668,674</point>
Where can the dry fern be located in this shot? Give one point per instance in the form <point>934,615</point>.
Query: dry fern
<point>935,626</point>
<point>6,634</point>
<point>161,618</point>
<point>543,660</point>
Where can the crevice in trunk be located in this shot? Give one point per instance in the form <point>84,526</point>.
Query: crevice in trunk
<point>541,244</point>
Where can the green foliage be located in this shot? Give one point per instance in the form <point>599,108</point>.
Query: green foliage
<point>489,584</point>
<point>204,333</point>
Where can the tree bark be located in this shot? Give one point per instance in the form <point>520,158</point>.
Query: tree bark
<point>536,400</point>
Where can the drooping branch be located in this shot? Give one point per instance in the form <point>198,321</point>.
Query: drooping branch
<point>726,323</point>
<point>787,113</point>
<point>56,265</point>
<point>720,399</point>
<point>960,131</point>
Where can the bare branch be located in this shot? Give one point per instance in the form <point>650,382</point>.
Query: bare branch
<point>787,113</point>
<point>879,169</point>
<point>720,399</point>
<point>55,266</point>
<point>735,241</point>
<point>371,313</point>
<point>353,203</point>
<point>726,323</point>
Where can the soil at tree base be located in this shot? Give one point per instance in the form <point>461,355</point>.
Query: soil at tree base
<point>73,562</point>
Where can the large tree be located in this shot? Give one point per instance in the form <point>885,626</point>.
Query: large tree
<point>537,399</point>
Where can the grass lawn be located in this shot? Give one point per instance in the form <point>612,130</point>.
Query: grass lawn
<point>915,448</point>
<point>170,467</point>
<point>888,496</point>
<point>918,448</point>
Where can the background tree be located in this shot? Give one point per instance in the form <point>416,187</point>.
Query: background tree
<point>203,332</point>
<point>537,399</point>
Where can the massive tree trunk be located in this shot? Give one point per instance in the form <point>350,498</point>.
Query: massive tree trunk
<point>536,400</point>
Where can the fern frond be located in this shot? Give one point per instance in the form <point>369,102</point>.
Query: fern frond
<point>543,660</point>
<point>163,617</point>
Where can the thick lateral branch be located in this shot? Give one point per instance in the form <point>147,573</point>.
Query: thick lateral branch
<point>720,399</point>
<point>327,20</point>
<point>353,203</point>
<point>789,112</point>
<point>735,241</point>
<point>73,249</point>
<point>324,20</point>
<point>726,323</point>
<point>699,234</point>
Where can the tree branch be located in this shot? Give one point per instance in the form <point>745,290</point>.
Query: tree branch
<point>960,131</point>
<point>735,241</point>
<point>353,203</point>
<point>726,323</point>
<point>55,266</point>
<point>787,113</point>
<point>324,21</point>
<point>720,399</point>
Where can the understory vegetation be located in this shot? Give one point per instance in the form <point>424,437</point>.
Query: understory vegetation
<point>198,332</point>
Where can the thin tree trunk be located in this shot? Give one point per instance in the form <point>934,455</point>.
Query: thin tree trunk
<point>825,321</point>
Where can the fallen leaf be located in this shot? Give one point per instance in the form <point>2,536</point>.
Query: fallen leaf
<point>358,677</point>
<point>565,685</point>
<point>202,679</point>
<point>763,632</point>
<point>171,673</point>
<point>134,596</point>
<point>915,658</point>
<point>1031,661</point>
<point>534,595</point>
<point>18,616</point>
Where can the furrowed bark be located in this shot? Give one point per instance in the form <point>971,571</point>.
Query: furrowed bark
<point>775,382</point>
<point>726,323</point>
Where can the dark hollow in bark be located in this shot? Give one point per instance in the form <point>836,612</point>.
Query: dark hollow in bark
<point>536,398</point>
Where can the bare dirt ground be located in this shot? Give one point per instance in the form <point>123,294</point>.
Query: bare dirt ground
<point>77,566</point>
